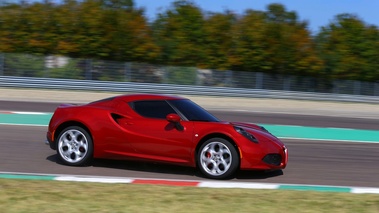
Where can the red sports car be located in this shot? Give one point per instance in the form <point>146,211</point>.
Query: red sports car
<point>162,128</point>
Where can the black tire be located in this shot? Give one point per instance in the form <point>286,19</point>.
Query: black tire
<point>217,158</point>
<point>75,146</point>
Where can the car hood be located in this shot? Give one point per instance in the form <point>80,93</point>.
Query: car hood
<point>247,125</point>
<point>256,129</point>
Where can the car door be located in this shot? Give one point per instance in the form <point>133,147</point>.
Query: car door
<point>153,137</point>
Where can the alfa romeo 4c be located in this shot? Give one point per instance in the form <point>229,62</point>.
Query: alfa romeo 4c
<point>162,128</point>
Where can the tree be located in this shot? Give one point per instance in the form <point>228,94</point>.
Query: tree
<point>128,36</point>
<point>118,4</point>
<point>180,34</point>
<point>274,41</point>
<point>218,40</point>
<point>350,49</point>
<point>249,49</point>
<point>290,47</point>
<point>106,29</point>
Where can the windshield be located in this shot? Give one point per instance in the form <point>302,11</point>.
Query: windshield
<point>192,111</point>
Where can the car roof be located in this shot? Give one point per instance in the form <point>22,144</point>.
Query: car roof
<point>139,97</point>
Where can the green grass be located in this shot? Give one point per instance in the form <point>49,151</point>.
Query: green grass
<point>53,196</point>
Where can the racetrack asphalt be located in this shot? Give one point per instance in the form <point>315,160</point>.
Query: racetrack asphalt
<point>311,162</point>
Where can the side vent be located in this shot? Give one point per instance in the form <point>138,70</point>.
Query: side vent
<point>117,117</point>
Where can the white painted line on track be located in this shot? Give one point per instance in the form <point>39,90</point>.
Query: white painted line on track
<point>364,190</point>
<point>30,113</point>
<point>215,184</point>
<point>94,179</point>
<point>25,113</point>
<point>36,125</point>
<point>333,140</point>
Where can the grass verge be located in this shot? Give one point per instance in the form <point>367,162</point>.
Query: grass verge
<point>53,196</point>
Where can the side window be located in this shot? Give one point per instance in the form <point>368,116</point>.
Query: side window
<point>152,109</point>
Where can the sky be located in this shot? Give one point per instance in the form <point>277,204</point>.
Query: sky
<point>316,12</point>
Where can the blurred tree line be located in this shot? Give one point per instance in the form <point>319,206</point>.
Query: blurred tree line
<point>274,41</point>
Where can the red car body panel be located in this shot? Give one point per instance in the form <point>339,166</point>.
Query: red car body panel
<point>119,132</point>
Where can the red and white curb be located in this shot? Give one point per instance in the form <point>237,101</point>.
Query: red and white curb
<point>189,183</point>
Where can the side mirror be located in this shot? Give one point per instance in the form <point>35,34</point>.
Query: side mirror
<point>175,119</point>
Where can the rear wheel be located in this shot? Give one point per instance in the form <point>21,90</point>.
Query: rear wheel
<point>74,146</point>
<point>217,158</point>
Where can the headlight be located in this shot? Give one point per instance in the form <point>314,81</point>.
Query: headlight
<point>246,134</point>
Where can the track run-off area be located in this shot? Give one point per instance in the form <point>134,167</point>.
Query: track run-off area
<point>326,153</point>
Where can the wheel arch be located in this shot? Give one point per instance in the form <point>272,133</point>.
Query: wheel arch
<point>66,124</point>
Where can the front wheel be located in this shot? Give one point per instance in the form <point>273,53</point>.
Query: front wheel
<point>74,146</point>
<point>217,158</point>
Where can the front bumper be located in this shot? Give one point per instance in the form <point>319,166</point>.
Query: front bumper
<point>277,159</point>
<point>274,157</point>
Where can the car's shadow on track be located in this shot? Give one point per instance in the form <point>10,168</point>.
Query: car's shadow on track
<point>162,168</point>
<point>145,167</point>
<point>135,166</point>
<point>258,174</point>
